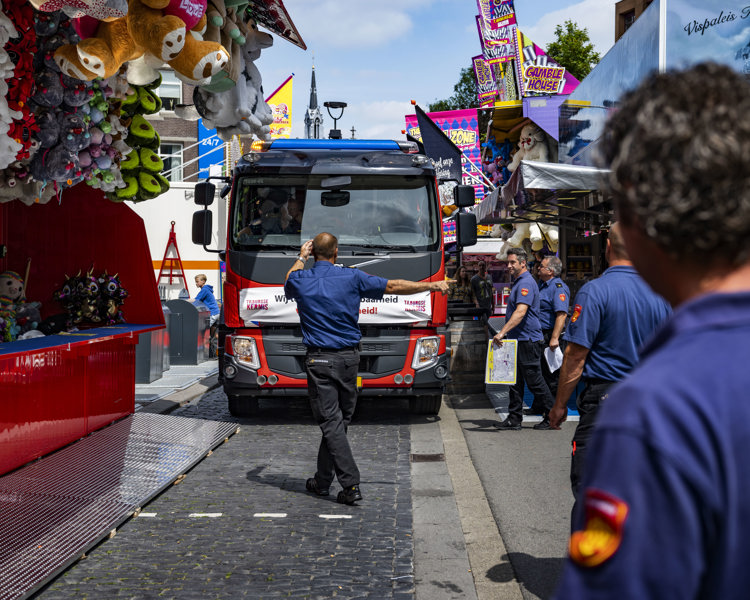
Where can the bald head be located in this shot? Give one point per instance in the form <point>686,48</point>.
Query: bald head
<point>325,246</point>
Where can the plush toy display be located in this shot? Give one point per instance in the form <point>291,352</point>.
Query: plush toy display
<point>148,28</point>
<point>532,145</point>
<point>91,299</point>
<point>242,109</point>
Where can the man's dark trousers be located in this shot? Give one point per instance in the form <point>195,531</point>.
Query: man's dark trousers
<point>551,378</point>
<point>529,371</point>
<point>332,386</point>
<point>594,393</point>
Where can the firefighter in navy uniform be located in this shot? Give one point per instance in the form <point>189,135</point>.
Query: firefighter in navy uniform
<point>664,511</point>
<point>554,300</point>
<point>522,324</point>
<point>613,316</point>
<point>328,300</point>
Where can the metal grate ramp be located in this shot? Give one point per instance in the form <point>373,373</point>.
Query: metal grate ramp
<point>55,509</point>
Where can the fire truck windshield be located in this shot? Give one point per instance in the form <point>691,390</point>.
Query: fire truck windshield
<point>372,211</point>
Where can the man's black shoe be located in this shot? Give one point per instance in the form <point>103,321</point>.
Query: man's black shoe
<point>532,412</point>
<point>349,495</point>
<point>313,487</point>
<point>543,425</point>
<point>507,425</point>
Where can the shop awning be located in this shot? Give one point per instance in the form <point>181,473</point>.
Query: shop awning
<point>485,246</point>
<point>551,176</point>
<point>556,176</point>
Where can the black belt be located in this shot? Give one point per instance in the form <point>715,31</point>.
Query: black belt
<point>594,381</point>
<point>321,349</point>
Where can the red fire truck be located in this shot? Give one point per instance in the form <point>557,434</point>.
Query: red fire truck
<point>380,199</point>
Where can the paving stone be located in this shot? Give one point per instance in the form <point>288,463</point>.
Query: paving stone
<point>262,469</point>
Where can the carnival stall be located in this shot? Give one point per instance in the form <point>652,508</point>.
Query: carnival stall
<point>77,286</point>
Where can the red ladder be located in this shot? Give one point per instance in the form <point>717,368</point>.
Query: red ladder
<point>171,267</point>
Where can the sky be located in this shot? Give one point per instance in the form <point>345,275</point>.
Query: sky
<point>379,56</point>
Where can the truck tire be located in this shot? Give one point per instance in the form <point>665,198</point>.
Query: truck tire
<point>242,406</point>
<point>425,405</point>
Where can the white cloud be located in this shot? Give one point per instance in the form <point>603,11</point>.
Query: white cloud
<point>596,16</point>
<point>353,23</point>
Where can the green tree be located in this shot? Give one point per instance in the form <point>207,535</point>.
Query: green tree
<point>464,94</point>
<point>573,49</point>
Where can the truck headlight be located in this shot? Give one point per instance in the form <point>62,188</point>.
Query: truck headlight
<point>246,351</point>
<point>425,352</point>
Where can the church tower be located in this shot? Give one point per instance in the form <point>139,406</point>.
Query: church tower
<point>313,116</point>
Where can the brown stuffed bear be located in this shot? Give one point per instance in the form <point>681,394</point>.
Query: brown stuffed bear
<point>150,27</point>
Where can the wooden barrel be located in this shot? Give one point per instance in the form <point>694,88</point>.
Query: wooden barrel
<point>468,358</point>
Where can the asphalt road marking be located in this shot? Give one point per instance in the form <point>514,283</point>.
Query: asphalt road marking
<point>270,515</point>
<point>335,516</point>
<point>145,514</point>
<point>209,515</point>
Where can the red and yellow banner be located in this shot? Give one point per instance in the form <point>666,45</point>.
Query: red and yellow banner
<point>280,102</point>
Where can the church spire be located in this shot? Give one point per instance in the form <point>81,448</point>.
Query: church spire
<point>313,91</point>
<point>313,116</point>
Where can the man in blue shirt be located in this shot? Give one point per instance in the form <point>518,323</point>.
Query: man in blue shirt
<point>664,511</point>
<point>328,299</point>
<point>612,318</point>
<point>554,299</point>
<point>522,324</point>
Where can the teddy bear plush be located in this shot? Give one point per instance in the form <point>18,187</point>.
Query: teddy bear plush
<point>18,316</point>
<point>532,145</point>
<point>157,27</point>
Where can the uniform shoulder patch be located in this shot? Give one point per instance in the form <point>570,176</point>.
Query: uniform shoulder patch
<point>558,284</point>
<point>524,291</point>
<point>576,313</point>
<point>605,516</point>
<point>562,297</point>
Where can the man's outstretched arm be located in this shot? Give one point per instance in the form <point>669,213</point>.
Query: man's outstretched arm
<point>405,287</point>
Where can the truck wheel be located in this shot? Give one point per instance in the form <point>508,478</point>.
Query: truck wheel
<point>242,406</point>
<point>425,405</point>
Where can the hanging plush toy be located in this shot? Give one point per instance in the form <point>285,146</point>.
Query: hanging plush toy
<point>532,145</point>
<point>152,28</point>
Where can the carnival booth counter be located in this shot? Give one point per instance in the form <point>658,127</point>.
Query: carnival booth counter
<point>60,387</point>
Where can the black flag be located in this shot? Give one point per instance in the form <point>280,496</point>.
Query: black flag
<point>439,148</point>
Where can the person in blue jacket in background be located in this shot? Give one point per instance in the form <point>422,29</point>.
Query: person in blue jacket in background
<point>665,510</point>
<point>206,295</point>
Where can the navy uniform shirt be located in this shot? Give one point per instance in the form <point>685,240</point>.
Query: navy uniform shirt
<point>613,316</point>
<point>524,290</point>
<point>668,481</point>
<point>554,297</point>
<point>327,299</point>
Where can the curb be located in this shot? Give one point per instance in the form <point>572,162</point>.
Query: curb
<point>180,398</point>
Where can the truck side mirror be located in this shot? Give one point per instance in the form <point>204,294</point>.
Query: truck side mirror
<point>466,228</point>
<point>202,224</point>
<point>464,196</point>
<point>204,193</point>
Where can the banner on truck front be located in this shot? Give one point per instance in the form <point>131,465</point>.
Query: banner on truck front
<point>270,305</point>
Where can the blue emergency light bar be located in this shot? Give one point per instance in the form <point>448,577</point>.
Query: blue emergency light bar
<point>327,144</point>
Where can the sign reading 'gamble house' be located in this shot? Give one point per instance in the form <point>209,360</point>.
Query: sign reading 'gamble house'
<point>544,79</point>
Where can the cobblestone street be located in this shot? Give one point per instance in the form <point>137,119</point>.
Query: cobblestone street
<point>241,525</point>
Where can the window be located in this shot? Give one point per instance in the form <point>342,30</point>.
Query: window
<point>375,212</point>
<point>628,19</point>
<point>170,90</point>
<point>171,154</point>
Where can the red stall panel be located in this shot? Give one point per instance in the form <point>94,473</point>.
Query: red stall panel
<point>42,407</point>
